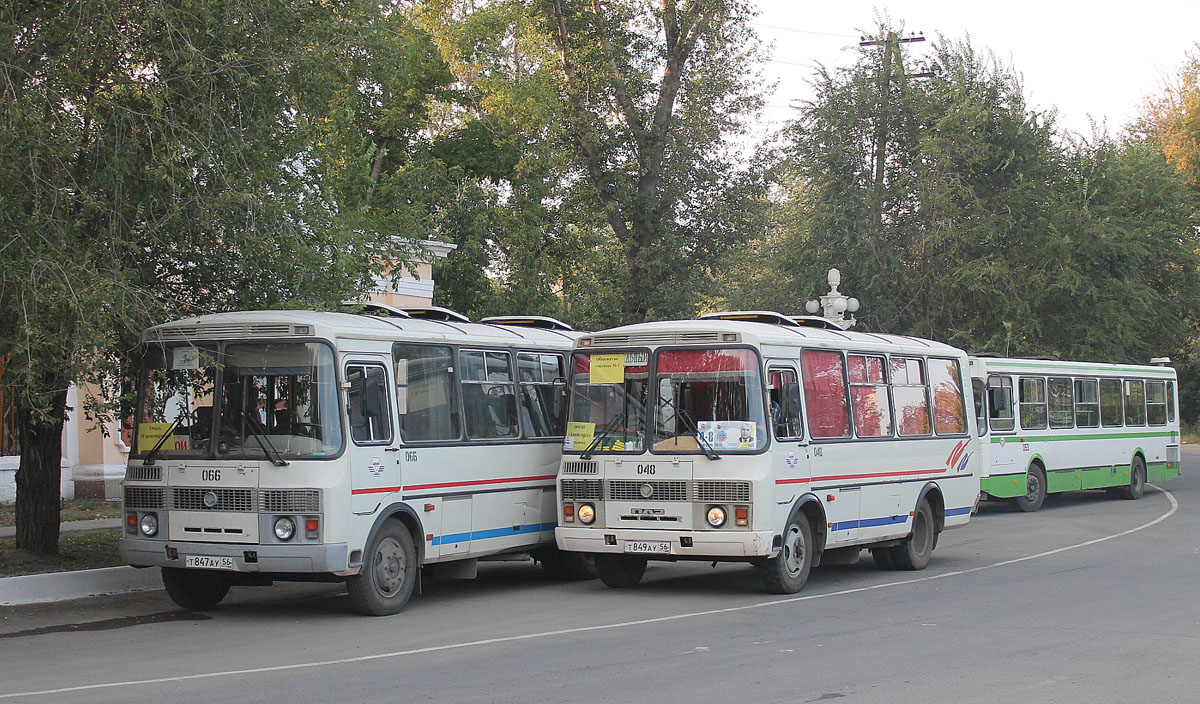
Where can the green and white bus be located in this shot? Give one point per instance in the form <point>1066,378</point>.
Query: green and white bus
<point>1049,426</point>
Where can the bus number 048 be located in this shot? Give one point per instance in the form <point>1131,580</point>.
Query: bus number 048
<point>645,469</point>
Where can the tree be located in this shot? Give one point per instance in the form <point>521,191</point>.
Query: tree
<point>154,163</point>
<point>1172,120</point>
<point>984,229</point>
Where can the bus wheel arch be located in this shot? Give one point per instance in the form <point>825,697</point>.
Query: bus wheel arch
<point>937,502</point>
<point>810,506</point>
<point>786,572</point>
<point>389,572</point>
<point>915,551</point>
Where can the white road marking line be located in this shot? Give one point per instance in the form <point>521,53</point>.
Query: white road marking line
<point>604,627</point>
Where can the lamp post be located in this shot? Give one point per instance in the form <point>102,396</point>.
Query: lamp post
<point>834,305</point>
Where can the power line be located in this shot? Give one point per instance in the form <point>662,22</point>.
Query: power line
<point>802,31</point>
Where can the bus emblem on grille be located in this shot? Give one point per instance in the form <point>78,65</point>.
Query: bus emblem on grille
<point>646,491</point>
<point>210,499</point>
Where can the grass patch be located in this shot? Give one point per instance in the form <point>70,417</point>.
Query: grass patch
<point>76,551</point>
<point>72,510</point>
<point>1190,432</point>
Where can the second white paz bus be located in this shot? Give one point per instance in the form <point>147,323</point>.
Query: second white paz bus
<point>752,437</point>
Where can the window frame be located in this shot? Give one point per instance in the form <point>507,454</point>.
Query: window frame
<point>1095,405</point>
<point>1021,404</point>
<point>887,393</point>
<point>892,386</point>
<point>841,355</point>
<point>1006,383</point>
<point>522,384</point>
<point>1070,382</point>
<point>1127,385</point>
<point>1120,399</point>
<point>773,367</point>
<point>453,395</point>
<point>962,397</point>
<point>389,421</point>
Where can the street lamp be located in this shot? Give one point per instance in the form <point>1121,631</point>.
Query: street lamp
<point>834,305</point>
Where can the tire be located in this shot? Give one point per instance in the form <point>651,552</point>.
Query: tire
<point>883,558</point>
<point>1137,481</point>
<point>388,574</point>
<point>917,548</point>
<point>560,564</point>
<point>198,590</point>
<point>620,571</point>
<point>787,572</point>
<point>1035,491</point>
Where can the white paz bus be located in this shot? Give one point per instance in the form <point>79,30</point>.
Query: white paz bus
<point>753,437</point>
<point>287,445</point>
<point>1050,425</point>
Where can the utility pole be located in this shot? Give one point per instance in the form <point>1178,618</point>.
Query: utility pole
<point>890,43</point>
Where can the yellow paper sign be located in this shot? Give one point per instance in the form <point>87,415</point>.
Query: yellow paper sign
<point>608,369</point>
<point>581,433</point>
<point>150,433</point>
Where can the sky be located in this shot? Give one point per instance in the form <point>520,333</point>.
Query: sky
<point>1087,59</point>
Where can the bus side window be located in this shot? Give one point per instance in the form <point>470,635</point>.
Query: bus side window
<point>370,422</point>
<point>542,411</point>
<point>1000,402</point>
<point>949,413</point>
<point>1156,403</point>
<point>1110,403</point>
<point>979,393</point>
<point>425,395</point>
<point>825,394</point>
<point>1062,403</point>
<point>1170,402</point>
<point>1033,402</point>
<point>1135,402</point>
<point>910,393</point>
<point>1087,403</point>
<point>785,404</point>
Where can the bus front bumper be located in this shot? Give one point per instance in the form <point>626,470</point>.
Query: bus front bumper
<point>297,559</point>
<point>715,544</point>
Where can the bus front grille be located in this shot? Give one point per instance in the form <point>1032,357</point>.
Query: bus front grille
<point>214,499</point>
<point>143,473</point>
<point>581,489</point>
<point>634,490</point>
<point>581,467</point>
<point>289,501</point>
<point>722,492</point>
<point>144,497</point>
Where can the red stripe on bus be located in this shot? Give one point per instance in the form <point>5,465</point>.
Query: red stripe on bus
<point>860,476</point>
<point>445,485</point>
<point>376,490</point>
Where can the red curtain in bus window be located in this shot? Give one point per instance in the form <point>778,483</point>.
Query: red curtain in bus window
<point>825,394</point>
<point>675,361</point>
<point>949,414</point>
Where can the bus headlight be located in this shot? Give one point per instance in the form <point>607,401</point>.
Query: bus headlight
<point>285,528</point>
<point>716,516</point>
<point>587,514</point>
<point>149,525</point>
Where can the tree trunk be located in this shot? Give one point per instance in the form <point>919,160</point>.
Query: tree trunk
<point>40,475</point>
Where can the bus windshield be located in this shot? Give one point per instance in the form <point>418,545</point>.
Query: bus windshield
<point>716,393</point>
<point>276,401</point>
<point>608,402</point>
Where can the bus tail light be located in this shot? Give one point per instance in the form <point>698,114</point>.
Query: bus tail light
<point>568,513</point>
<point>742,515</point>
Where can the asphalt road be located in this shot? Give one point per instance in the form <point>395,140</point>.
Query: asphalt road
<point>1092,599</point>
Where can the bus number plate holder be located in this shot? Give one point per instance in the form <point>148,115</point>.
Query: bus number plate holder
<point>648,546</point>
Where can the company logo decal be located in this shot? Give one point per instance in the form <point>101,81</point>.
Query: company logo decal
<point>376,467</point>
<point>958,458</point>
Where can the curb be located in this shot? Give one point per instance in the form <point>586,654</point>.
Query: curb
<point>61,586</point>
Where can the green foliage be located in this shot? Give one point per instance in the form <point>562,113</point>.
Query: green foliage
<point>987,230</point>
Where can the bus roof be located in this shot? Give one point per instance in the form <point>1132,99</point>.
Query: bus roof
<point>983,364</point>
<point>758,333</point>
<point>276,324</point>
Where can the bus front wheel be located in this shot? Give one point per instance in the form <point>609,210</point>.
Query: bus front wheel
<point>620,571</point>
<point>1035,490</point>
<point>388,574</point>
<point>1137,480</point>
<point>195,589</point>
<point>787,572</point>
<point>917,548</point>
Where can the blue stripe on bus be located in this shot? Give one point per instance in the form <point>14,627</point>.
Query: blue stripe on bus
<point>492,533</point>
<point>889,520</point>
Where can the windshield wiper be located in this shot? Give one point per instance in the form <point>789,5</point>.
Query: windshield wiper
<point>705,446</point>
<point>153,453</point>
<point>261,437</point>
<point>604,432</point>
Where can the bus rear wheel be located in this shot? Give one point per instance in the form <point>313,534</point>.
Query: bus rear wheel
<point>1137,480</point>
<point>1035,490</point>
<point>917,548</point>
<point>787,572</point>
<point>388,574</point>
<point>195,589</point>
<point>620,571</point>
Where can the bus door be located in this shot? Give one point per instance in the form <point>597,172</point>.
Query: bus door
<point>833,462</point>
<point>790,455</point>
<point>979,395</point>
<point>372,453</point>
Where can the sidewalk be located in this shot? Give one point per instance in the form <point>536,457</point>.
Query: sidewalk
<point>61,586</point>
